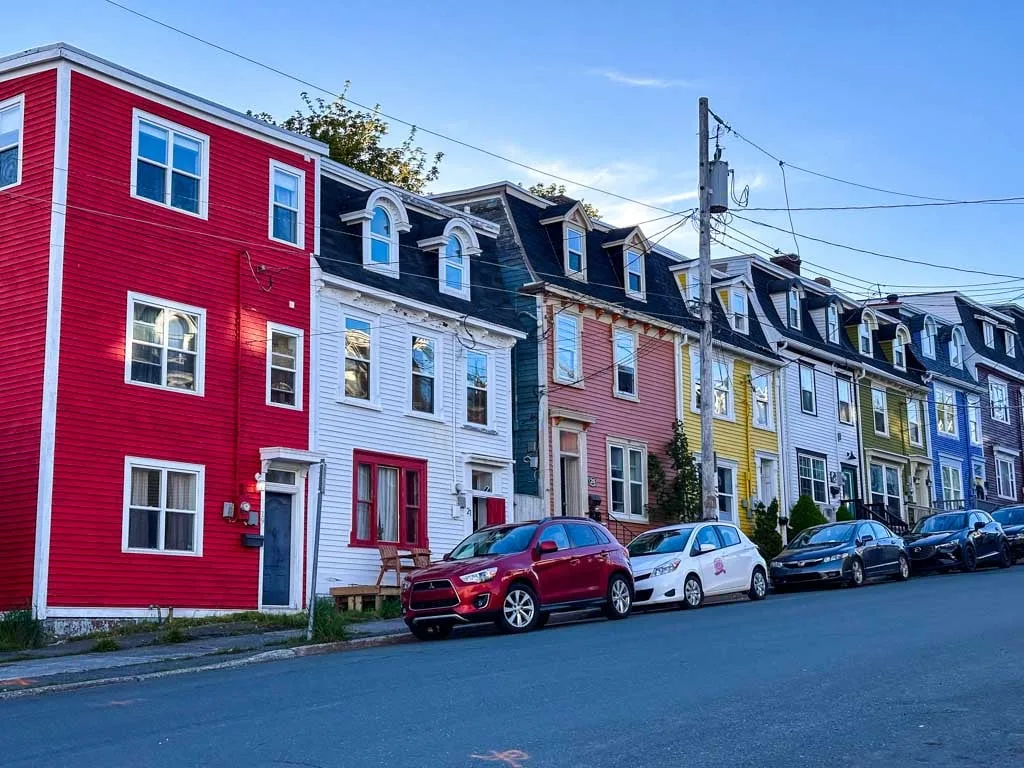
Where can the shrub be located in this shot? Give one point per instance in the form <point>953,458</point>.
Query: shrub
<point>106,645</point>
<point>843,513</point>
<point>19,630</point>
<point>328,624</point>
<point>805,514</point>
<point>174,635</point>
<point>766,530</point>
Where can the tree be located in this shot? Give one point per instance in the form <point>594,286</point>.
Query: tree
<point>805,514</point>
<point>766,529</point>
<point>554,191</point>
<point>354,138</point>
<point>843,513</point>
<point>679,498</point>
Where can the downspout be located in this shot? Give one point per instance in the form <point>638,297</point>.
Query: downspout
<point>543,475</point>
<point>238,385</point>
<point>862,459</point>
<point>783,439</point>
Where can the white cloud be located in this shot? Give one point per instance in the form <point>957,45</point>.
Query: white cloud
<point>640,82</point>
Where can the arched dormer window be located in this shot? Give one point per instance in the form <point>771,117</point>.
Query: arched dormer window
<point>928,338</point>
<point>868,325</point>
<point>832,324</point>
<point>455,247</point>
<point>956,348</point>
<point>793,308</point>
<point>899,348</point>
<point>383,218</point>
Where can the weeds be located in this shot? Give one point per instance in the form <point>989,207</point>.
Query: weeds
<point>106,645</point>
<point>329,624</point>
<point>19,630</point>
<point>174,635</point>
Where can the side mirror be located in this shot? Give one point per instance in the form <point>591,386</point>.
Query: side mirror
<point>705,547</point>
<point>447,556</point>
<point>866,539</point>
<point>547,547</point>
<point>978,525</point>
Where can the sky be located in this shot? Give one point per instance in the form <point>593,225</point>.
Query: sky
<point>917,97</point>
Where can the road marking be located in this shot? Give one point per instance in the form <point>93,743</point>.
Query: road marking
<point>511,757</point>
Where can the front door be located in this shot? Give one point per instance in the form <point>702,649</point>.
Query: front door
<point>277,549</point>
<point>849,482</point>
<point>768,479</point>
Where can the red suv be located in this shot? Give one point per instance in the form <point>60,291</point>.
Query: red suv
<point>517,575</point>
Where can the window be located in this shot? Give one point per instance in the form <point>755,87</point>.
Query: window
<point>762,410</point>
<point>989,331</point>
<point>11,113</point>
<point>380,237</point>
<point>165,344</point>
<point>844,398</point>
<point>477,379</point>
<point>567,348</point>
<point>557,534</point>
<point>738,311</point>
<point>287,212</point>
<point>389,499</point>
<point>424,372</point>
<point>1010,341</point>
<point>730,536</point>
<point>832,324</point>
<point>171,165</point>
<point>1006,483</point>
<point>928,338</point>
<point>999,398</point>
<point>627,477</point>
<point>582,535</point>
<point>575,253</point>
<point>382,218</point>
<point>163,507</point>
<point>695,381</point>
<point>864,334</point>
<point>693,282</point>
<point>812,472</point>
<point>284,366</point>
<point>945,411</point>
<point>454,281</point>
<point>722,380</point>
<point>885,487</point>
<point>978,472</point>
<point>899,348</point>
<point>808,395</point>
<point>569,461</point>
<point>706,536</point>
<point>956,348</point>
<point>726,493</point>
<point>635,274</point>
<point>793,308</point>
<point>952,487</point>
<point>358,360</point>
<point>625,363</point>
<point>914,428</point>
<point>849,475</point>
<point>880,410</point>
<point>974,418</point>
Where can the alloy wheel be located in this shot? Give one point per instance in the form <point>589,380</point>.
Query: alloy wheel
<point>620,597</point>
<point>904,568</point>
<point>692,593</point>
<point>858,573</point>
<point>519,608</point>
<point>760,584</point>
<point>970,558</point>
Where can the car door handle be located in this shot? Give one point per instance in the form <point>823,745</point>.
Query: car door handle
<point>574,561</point>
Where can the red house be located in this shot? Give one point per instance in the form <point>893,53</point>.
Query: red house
<point>156,251</point>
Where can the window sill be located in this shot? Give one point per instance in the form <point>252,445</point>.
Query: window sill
<point>387,271</point>
<point>626,396</point>
<point>296,408</point>
<point>11,186</point>
<point>464,295</point>
<point>367,404</point>
<point>198,215</point>
<point>808,413</point>
<point>425,416</point>
<point>562,383</point>
<point>480,428</point>
<point>168,553</point>
<point>198,392</point>
<point>731,417</point>
<point>765,428</point>
<point>627,518</point>
<point>299,245</point>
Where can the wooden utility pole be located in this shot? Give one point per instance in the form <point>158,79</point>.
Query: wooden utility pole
<point>708,474</point>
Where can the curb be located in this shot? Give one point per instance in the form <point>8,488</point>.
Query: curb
<point>258,658</point>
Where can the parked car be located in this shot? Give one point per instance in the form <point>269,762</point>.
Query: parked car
<point>1012,521</point>
<point>961,540</point>
<point>849,552</point>
<point>518,575</point>
<point>683,563</point>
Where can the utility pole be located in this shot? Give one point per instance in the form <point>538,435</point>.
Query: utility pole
<point>708,475</point>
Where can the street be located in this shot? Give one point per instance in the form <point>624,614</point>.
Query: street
<point>928,672</point>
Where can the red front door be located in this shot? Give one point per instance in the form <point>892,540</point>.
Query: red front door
<point>495,511</point>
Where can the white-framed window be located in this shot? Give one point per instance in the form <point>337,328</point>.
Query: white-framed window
<point>999,399</point>
<point>945,411</point>
<point>381,237</point>
<point>952,482</point>
<point>726,475</point>
<point>915,427</point>
<point>832,324</point>
<point>880,411</point>
<point>738,311</point>
<point>627,480</point>
<point>808,393</point>
<point>284,366</point>
<point>166,344</point>
<point>693,286</point>
<point>844,399</point>
<point>1010,342</point>
<point>793,308</point>
<point>761,413</point>
<point>12,117</point>
<point>865,335</point>
<point>287,204</point>
<point>455,272</point>
<point>989,332</point>
<point>635,280</point>
<point>575,252</point>
<point>163,507</point>
<point>721,373</point>
<point>695,381</point>
<point>974,418</point>
<point>1006,477</point>
<point>568,348</point>
<point>360,374</point>
<point>478,382</point>
<point>956,348</point>
<point>424,392</point>
<point>625,352</point>
<point>928,338</point>
<point>812,471</point>
<point>978,472</point>
<point>899,348</point>
<point>170,164</point>
<point>886,487</point>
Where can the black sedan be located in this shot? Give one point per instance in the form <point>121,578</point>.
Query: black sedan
<point>1012,520</point>
<point>961,540</point>
<point>847,553</point>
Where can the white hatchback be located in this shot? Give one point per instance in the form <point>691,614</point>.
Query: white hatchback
<point>683,563</point>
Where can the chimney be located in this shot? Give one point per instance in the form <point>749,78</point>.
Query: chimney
<point>892,298</point>
<point>788,261</point>
<point>823,281</point>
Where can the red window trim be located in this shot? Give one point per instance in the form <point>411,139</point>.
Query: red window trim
<point>403,464</point>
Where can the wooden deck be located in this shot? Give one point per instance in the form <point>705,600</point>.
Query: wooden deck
<point>355,597</point>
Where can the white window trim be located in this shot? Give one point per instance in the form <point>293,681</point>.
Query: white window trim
<point>885,410</point>
<point>1009,461</point>
<point>492,388</point>
<point>913,402</point>
<point>1010,343</point>
<point>463,232</point>
<point>988,331</point>
<point>200,342</point>
<point>174,466</point>
<point>793,295</point>
<point>626,446</point>
<point>992,401</point>
<point>957,467</point>
<point>813,458</point>
<point>801,367</point>
<point>556,453</point>
<point>395,208</point>
<point>830,312</point>
<point>204,170</point>
<point>739,294</point>
<point>578,381</point>
<point>941,390</point>
<point>300,227</point>
<point>853,401</point>
<point>755,374</point>
<point>958,334</point>
<point>974,406</point>
<point>581,275</point>
<point>900,341</point>
<point>287,330</point>
<point>929,341</point>
<point>869,324</point>
<point>635,394</point>
<point>735,467</point>
<point>730,407</point>
<point>374,320</point>
<point>640,295</point>
<point>885,493</point>
<point>438,412</point>
<point>18,101</point>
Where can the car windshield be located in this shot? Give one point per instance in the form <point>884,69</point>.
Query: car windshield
<point>495,541</point>
<point>830,534</point>
<point>659,542</point>
<point>1009,516</point>
<point>941,523</point>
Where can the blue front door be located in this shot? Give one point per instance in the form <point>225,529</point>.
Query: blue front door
<point>277,549</point>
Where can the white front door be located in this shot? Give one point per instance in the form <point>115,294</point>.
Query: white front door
<point>726,492</point>
<point>768,480</point>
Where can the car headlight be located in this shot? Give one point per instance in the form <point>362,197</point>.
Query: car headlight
<point>664,568</point>
<point>949,546</point>
<point>834,558</point>
<point>478,577</point>
<point>406,584</point>
<point>776,564</point>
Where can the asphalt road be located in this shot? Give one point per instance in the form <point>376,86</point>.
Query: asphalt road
<point>924,673</point>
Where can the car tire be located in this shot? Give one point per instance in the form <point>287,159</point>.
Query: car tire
<point>856,572</point>
<point>969,559</point>
<point>431,630</point>
<point>519,610</point>
<point>1007,557</point>
<point>619,600</point>
<point>693,593</point>
<point>758,584</point>
<point>903,570</point>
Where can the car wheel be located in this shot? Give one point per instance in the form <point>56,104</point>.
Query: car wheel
<point>969,559</point>
<point>1007,559</point>
<point>431,630</point>
<point>856,572</point>
<point>693,593</point>
<point>620,599</point>
<point>903,572</point>
<point>758,584</point>
<point>518,610</point>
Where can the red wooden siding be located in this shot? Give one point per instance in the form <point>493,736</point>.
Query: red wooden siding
<point>116,244</point>
<point>25,257</point>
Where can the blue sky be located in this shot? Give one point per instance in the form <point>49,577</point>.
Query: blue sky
<point>919,97</point>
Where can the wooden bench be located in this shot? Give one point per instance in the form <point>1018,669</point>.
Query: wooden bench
<point>353,598</point>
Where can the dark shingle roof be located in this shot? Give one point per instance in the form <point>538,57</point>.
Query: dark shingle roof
<point>976,337</point>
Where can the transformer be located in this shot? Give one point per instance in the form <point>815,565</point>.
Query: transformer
<point>719,183</point>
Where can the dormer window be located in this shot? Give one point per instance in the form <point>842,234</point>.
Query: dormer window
<point>380,237</point>
<point>454,265</point>
<point>989,331</point>
<point>575,253</point>
<point>793,308</point>
<point>1010,341</point>
<point>928,338</point>
<point>455,248</point>
<point>832,324</point>
<point>383,218</point>
<point>635,274</point>
<point>864,335</point>
<point>899,348</point>
<point>738,311</point>
<point>956,348</point>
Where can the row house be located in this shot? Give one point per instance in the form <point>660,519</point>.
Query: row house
<point>156,417</point>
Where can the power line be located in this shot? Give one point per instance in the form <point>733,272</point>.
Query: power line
<point>789,211</point>
<point>987,201</point>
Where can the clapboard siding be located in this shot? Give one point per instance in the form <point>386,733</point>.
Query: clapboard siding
<point>947,449</point>
<point>1000,435</point>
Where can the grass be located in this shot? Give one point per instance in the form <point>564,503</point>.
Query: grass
<point>263,621</point>
<point>329,624</point>
<point>390,609</point>
<point>18,631</point>
<point>106,645</point>
<point>174,635</point>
